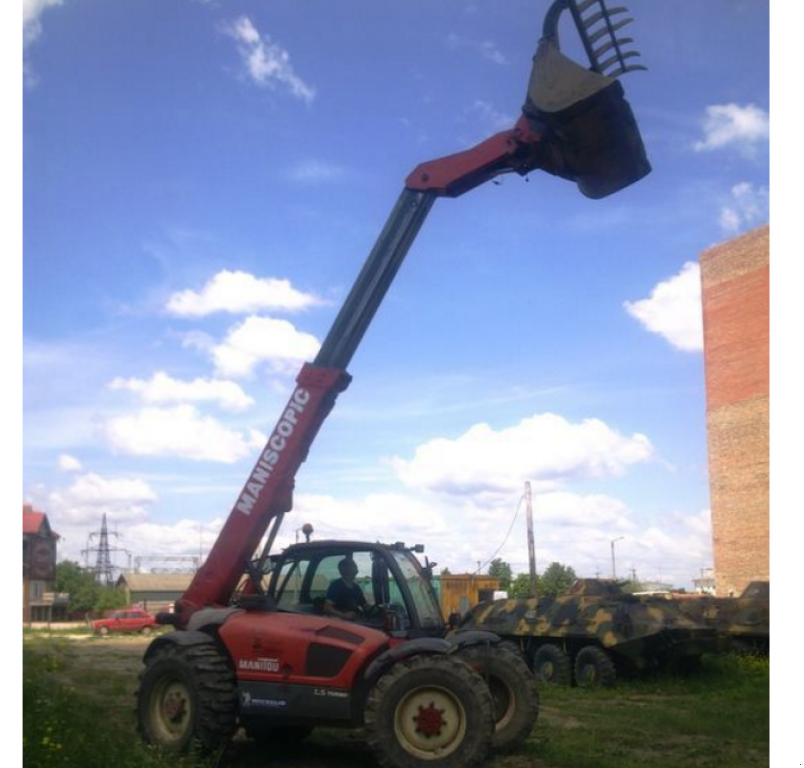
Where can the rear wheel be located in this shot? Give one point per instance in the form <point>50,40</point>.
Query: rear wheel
<point>103,631</point>
<point>513,692</point>
<point>552,665</point>
<point>187,696</point>
<point>594,668</point>
<point>429,711</point>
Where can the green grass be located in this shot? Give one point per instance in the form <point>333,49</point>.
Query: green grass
<point>78,711</point>
<point>718,717</point>
<point>74,716</point>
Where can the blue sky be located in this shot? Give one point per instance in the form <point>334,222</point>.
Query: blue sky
<point>203,180</point>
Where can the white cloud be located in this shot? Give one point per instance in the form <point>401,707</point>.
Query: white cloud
<point>180,432</point>
<point>673,309</point>
<point>263,340</point>
<point>162,388</point>
<point>545,449</point>
<point>67,463</point>
<point>595,510</point>
<point>380,516</point>
<point>498,121</point>
<point>682,538</point>
<point>747,207</point>
<point>732,125</point>
<point>266,62</point>
<point>239,292</point>
<point>91,496</point>
<point>32,11</point>
<point>315,171</point>
<point>484,48</point>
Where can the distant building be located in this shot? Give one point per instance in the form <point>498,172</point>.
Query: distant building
<point>705,584</point>
<point>38,565</point>
<point>460,592</point>
<point>735,280</point>
<point>154,592</point>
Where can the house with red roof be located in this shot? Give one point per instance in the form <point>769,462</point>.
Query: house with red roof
<point>38,565</point>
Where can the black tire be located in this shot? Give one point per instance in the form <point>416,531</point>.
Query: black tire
<point>187,697</point>
<point>103,631</point>
<point>552,665</point>
<point>594,668</point>
<point>429,711</point>
<point>512,685</point>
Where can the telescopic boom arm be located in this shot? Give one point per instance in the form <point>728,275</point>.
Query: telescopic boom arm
<point>591,138</point>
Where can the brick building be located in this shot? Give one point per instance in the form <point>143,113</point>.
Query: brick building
<point>38,565</point>
<point>735,279</point>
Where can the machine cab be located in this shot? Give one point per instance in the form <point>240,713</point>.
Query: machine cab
<point>398,592</point>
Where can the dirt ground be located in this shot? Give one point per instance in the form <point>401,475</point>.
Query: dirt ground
<point>121,656</point>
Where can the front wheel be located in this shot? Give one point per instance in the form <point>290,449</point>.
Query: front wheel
<point>552,665</point>
<point>513,692</point>
<point>594,668</point>
<point>429,711</point>
<point>187,696</point>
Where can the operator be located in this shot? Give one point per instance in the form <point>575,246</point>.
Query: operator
<point>344,598</point>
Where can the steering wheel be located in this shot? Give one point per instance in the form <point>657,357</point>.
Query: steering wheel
<point>374,611</point>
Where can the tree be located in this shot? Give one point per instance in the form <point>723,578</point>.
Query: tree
<point>79,583</point>
<point>501,571</point>
<point>446,572</point>
<point>556,580</point>
<point>85,593</point>
<point>520,586</point>
<point>108,599</point>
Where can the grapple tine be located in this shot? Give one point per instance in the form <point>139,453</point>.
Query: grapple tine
<point>597,26</point>
<point>631,68</point>
<point>585,5</point>
<point>611,28</point>
<point>601,15</point>
<point>598,52</point>
<point>618,58</point>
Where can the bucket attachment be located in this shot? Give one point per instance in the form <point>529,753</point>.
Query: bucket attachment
<point>591,133</point>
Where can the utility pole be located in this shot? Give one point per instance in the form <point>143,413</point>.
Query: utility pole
<point>531,544</point>
<point>613,566</point>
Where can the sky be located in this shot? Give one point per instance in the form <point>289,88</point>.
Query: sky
<point>201,182</point>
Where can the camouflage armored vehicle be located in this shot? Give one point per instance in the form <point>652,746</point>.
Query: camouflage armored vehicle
<point>744,621</point>
<point>595,632</point>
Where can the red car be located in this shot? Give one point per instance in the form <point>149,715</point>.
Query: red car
<point>125,620</point>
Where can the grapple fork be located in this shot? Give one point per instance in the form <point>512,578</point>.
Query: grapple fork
<point>597,27</point>
<point>592,133</point>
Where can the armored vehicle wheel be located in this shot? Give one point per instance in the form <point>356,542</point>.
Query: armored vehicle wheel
<point>594,668</point>
<point>429,711</point>
<point>514,696</point>
<point>187,695</point>
<point>552,665</point>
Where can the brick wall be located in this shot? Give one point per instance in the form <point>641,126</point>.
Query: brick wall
<point>735,279</point>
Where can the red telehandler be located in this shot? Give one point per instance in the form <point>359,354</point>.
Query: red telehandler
<point>426,696</point>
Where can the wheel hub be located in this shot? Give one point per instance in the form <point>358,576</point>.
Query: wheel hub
<point>174,707</point>
<point>429,720</point>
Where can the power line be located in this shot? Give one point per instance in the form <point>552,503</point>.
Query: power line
<point>510,528</point>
